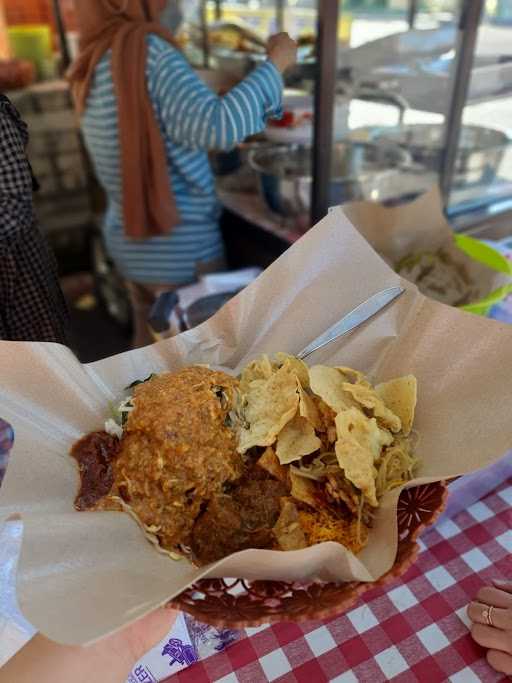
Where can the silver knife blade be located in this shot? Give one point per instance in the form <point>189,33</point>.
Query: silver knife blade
<point>356,317</point>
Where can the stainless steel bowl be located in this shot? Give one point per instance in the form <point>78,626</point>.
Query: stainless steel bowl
<point>478,159</point>
<point>236,64</point>
<point>358,169</point>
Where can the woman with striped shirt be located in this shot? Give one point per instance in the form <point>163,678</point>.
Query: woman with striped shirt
<point>149,123</point>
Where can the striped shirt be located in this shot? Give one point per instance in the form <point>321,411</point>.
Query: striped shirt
<point>193,121</point>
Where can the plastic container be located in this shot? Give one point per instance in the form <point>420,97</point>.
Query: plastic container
<point>33,42</point>
<point>490,255</point>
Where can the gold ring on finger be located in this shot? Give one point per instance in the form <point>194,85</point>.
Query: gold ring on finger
<point>487,615</point>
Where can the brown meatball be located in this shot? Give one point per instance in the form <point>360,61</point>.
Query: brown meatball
<point>239,520</point>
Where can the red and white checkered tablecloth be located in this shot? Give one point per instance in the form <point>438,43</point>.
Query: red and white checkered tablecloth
<point>414,630</point>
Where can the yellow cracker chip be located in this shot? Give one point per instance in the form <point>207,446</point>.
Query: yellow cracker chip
<point>260,368</point>
<point>298,366</point>
<point>353,425</point>
<point>357,464</point>
<point>367,398</point>
<point>297,439</point>
<point>308,408</point>
<point>354,376</point>
<point>268,405</point>
<point>328,383</point>
<point>400,396</point>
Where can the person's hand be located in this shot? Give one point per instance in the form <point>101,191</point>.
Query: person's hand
<point>282,51</point>
<point>112,658</point>
<point>136,640</point>
<point>491,614</point>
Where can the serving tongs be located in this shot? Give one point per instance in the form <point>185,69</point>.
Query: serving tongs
<point>359,315</point>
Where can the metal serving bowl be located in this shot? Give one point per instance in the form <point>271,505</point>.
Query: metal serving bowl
<point>236,64</point>
<point>478,159</point>
<point>358,168</point>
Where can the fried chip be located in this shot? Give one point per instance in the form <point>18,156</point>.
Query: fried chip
<point>260,368</point>
<point>270,463</point>
<point>357,463</point>
<point>353,425</point>
<point>288,531</point>
<point>308,408</point>
<point>356,458</point>
<point>297,439</point>
<point>354,376</point>
<point>328,383</point>
<point>298,366</point>
<point>304,490</point>
<point>367,398</point>
<point>268,406</point>
<point>400,396</point>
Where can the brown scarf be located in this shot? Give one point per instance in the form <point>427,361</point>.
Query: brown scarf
<point>149,205</point>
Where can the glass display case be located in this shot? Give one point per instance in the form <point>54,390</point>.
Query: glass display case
<point>405,94</point>
<point>409,52</point>
<point>482,99</point>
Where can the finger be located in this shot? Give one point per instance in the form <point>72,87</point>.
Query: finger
<point>495,597</point>
<point>492,638</point>
<point>144,634</point>
<point>503,585</point>
<point>501,618</point>
<point>500,661</point>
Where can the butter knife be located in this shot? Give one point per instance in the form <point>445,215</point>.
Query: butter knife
<point>368,309</point>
